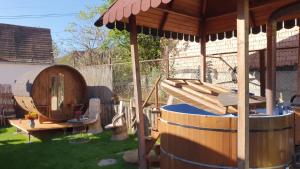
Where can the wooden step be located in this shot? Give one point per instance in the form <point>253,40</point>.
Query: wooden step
<point>155,134</point>
<point>156,111</point>
<point>151,140</point>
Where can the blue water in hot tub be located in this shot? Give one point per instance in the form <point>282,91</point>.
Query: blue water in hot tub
<point>188,109</point>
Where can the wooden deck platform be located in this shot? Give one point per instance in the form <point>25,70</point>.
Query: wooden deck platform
<point>23,125</point>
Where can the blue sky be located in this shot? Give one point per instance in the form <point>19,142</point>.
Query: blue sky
<point>41,7</point>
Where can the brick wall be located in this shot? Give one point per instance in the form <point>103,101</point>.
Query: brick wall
<point>219,71</point>
<point>25,44</point>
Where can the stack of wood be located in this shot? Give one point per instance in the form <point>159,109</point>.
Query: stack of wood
<point>206,96</point>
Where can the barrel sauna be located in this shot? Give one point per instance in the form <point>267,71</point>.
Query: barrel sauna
<point>54,92</point>
<point>192,138</point>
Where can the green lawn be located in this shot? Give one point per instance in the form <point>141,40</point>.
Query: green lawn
<point>53,151</point>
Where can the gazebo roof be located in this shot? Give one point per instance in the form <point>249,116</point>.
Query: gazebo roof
<point>182,19</point>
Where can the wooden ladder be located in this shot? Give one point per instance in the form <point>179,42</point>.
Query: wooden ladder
<point>154,136</point>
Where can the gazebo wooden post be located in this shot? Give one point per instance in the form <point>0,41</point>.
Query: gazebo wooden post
<point>262,67</point>
<point>298,74</point>
<point>137,91</point>
<point>243,82</point>
<point>203,53</point>
<point>271,67</point>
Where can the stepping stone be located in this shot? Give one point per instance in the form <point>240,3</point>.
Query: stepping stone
<point>131,156</point>
<point>107,162</point>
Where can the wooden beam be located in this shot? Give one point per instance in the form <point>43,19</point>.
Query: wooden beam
<point>285,10</point>
<point>137,92</point>
<point>179,13</point>
<point>176,83</point>
<point>243,82</point>
<point>202,35</point>
<point>215,88</point>
<point>262,69</point>
<point>203,8</point>
<point>206,97</point>
<point>166,56</point>
<point>298,76</point>
<point>165,16</point>
<point>199,87</point>
<point>213,23</point>
<point>271,67</point>
<point>155,88</point>
<point>203,53</point>
<point>253,23</point>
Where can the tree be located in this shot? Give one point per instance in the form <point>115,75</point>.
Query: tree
<point>90,43</point>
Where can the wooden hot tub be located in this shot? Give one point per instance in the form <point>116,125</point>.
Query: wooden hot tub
<point>192,138</point>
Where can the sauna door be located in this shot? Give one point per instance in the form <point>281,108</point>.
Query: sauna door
<point>57,96</point>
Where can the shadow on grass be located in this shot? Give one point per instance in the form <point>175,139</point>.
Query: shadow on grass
<point>53,151</point>
<point>3,130</point>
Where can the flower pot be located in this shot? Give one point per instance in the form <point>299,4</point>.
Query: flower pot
<point>31,123</point>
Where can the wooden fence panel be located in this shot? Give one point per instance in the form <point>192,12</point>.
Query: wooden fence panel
<point>7,101</point>
<point>129,111</point>
<point>99,84</point>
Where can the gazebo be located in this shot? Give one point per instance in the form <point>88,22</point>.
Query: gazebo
<point>196,20</point>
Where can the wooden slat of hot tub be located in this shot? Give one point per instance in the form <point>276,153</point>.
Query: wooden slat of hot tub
<point>297,126</point>
<point>189,143</point>
<point>271,140</point>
